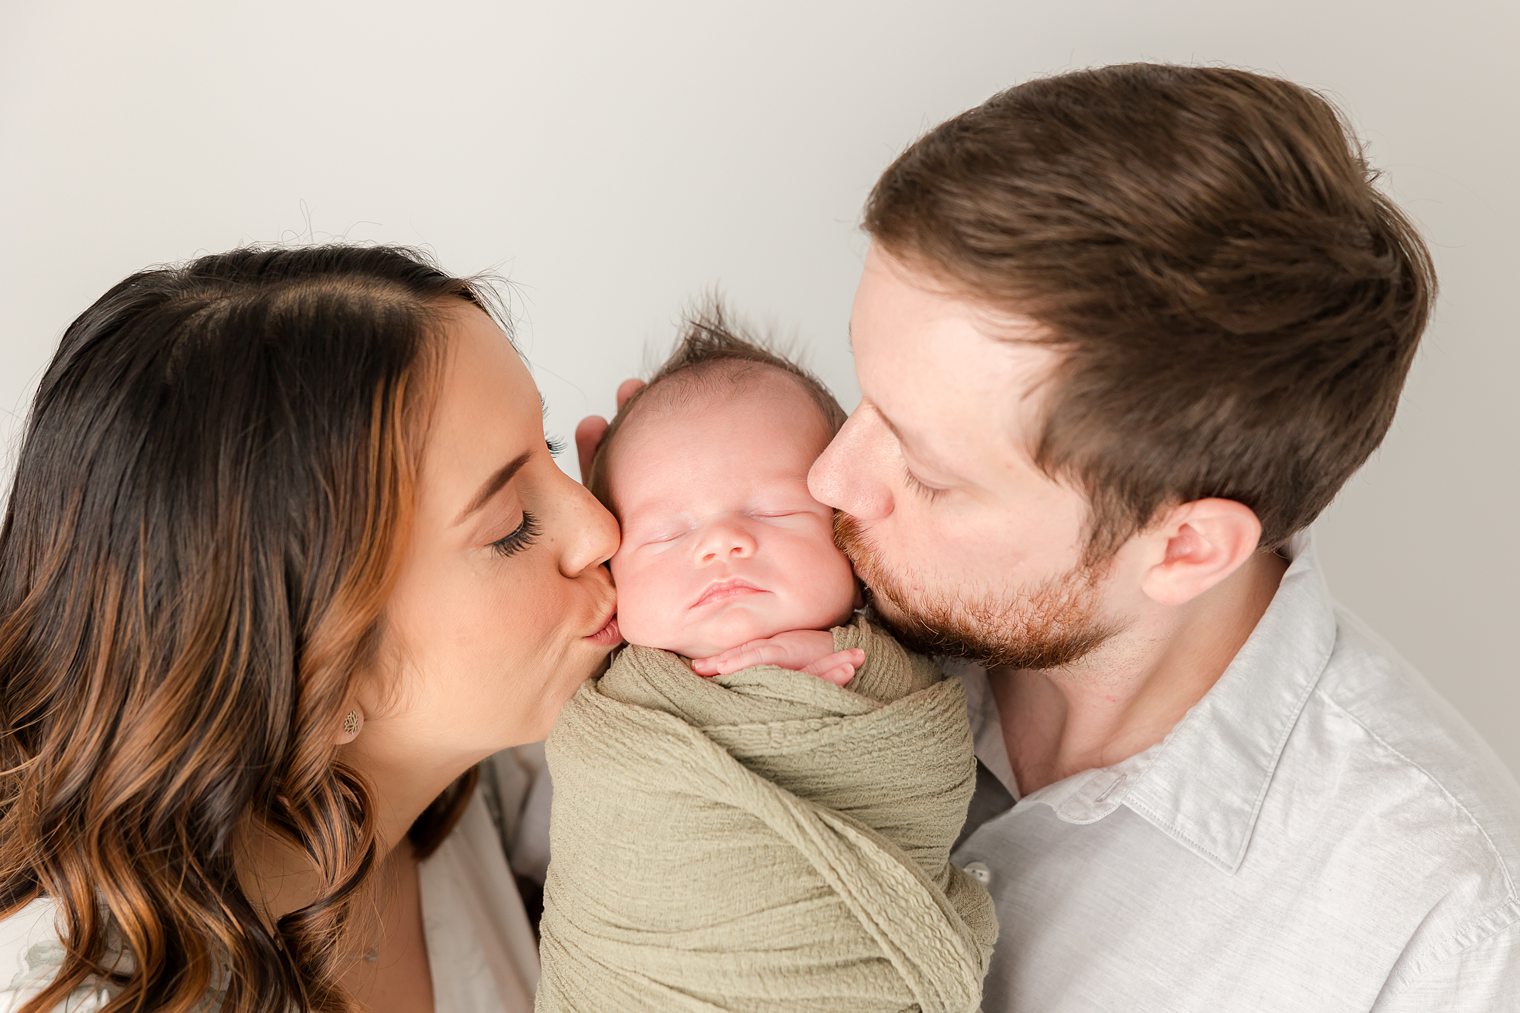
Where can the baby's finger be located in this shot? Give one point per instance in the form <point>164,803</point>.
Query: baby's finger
<point>853,657</point>
<point>839,675</point>
<point>756,652</point>
<point>721,664</point>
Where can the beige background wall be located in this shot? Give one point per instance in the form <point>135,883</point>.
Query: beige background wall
<point>615,159</point>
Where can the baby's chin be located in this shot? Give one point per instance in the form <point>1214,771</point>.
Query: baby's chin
<point>737,624</point>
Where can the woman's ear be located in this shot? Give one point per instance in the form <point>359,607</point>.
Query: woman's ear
<point>1203,541</point>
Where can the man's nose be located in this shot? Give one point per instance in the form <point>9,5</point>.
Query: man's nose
<point>842,477</point>
<point>725,541</point>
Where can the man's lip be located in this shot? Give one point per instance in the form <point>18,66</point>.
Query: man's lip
<point>724,589</point>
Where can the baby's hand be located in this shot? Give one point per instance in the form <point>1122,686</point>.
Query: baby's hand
<point>810,652</point>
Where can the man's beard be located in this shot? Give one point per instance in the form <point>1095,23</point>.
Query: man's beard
<point>1050,625</point>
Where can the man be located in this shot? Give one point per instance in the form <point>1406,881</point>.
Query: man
<point>1121,336</point>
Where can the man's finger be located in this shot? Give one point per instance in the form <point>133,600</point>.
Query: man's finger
<point>588,436</point>
<point>627,389</point>
<point>593,428</point>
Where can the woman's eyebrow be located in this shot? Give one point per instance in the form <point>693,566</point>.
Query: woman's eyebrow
<point>493,485</point>
<point>503,475</point>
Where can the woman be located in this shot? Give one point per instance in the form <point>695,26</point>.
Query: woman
<point>286,557</point>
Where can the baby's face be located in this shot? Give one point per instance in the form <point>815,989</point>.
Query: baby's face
<point>721,541</point>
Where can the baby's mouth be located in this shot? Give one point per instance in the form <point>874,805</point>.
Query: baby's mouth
<point>722,590</point>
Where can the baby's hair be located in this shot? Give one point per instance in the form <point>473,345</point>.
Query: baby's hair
<point>712,346</point>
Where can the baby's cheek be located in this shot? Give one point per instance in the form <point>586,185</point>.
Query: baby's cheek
<point>834,586</point>
<point>642,607</point>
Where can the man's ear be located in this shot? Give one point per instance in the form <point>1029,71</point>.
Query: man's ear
<point>1202,543</point>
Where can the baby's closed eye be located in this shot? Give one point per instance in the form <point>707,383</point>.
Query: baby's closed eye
<point>663,537</point>
<point>782,510</point>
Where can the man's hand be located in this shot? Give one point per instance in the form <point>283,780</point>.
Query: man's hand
<point>810,652</point>
<point>588,435</point>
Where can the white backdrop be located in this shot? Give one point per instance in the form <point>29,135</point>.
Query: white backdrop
<point>614,160</point>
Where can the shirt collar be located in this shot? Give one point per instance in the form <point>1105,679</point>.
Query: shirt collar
<point>1203,784</point>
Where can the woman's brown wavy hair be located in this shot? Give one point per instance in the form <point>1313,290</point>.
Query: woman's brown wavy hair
<point>204,528</point>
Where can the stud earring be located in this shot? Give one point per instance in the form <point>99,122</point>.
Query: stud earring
<point>351,723</point>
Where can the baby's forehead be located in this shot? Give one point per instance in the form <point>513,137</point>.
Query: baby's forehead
<point>751,415</point>
<point>749,393</point>
<point>758,386</point>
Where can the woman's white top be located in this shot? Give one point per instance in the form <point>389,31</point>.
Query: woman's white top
<point>480,944</point>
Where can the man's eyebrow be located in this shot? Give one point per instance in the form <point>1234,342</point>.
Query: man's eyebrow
<point>892,426</point>
<point>493,485</point>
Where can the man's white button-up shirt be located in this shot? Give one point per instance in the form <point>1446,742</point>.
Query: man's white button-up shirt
<point>1320,832</point>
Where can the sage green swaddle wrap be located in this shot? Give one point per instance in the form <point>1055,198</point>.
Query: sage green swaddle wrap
<point>763,840</point>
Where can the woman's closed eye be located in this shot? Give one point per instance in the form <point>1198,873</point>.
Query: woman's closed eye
<point>527,530</point>
<point>519,538</point>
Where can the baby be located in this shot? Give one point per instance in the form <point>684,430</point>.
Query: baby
<point>777,834</point>
<point>726,558</point>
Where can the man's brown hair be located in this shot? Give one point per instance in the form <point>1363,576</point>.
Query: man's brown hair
<point>1236,304</point>
<point>712,348</point>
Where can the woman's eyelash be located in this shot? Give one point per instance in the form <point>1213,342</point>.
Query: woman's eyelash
<point>927,492</point>
<point>555,444</point>
<point>519,539</point>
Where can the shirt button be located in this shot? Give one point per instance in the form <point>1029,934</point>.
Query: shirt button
<point>979,872</point>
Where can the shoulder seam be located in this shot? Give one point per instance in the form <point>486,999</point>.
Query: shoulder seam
<point>1509,881</point>
<point>1490,925</point>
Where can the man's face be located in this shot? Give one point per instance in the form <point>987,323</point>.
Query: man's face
<point>968,548</point>
<point>722,544</point>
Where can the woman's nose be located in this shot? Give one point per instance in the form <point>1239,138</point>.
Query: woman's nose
<point>725,541</point>
<point>593,534</point>
<point>844,476</point>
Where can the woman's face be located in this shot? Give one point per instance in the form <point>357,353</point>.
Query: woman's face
<point>502,607</point>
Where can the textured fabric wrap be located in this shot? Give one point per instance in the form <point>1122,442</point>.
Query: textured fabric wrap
<point>763,840</point>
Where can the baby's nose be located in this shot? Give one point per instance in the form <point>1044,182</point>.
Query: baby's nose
<point>726,541</point>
